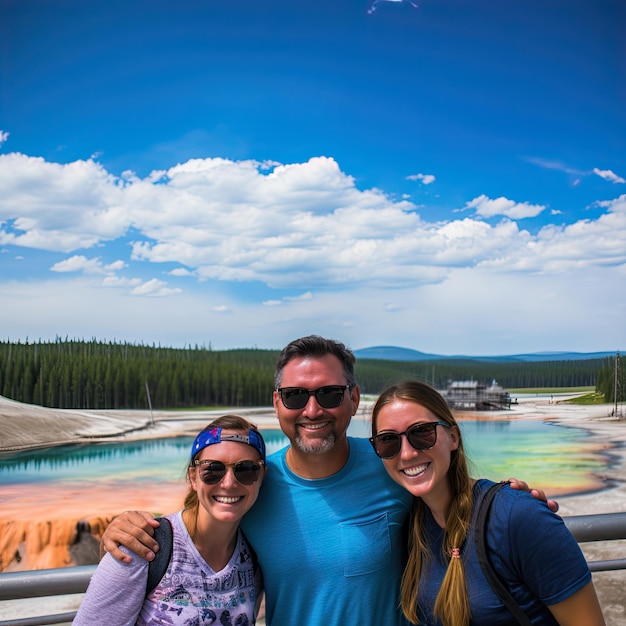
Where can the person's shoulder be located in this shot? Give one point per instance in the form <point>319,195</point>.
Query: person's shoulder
<point>508,493</point>
<point>276,457</point>
<point>520,508</point>
<point>482,485</point>
<point>361,445</point>
<point>110,564</point>
<point>503,492</point>
<point>277,470</point>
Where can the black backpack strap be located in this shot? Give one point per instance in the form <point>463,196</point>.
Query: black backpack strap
<point>481,550</point>
<point>164,536</point>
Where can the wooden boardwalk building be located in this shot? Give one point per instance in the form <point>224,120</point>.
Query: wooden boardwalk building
<point>470,395</point>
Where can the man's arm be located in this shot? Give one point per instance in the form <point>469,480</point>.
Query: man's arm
<point>133,529</point>
<point>553,505</point>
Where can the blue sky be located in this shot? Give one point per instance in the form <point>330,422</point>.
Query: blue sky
<point>448,177</point>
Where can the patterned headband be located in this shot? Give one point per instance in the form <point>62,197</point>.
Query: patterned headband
<point>214,435</point>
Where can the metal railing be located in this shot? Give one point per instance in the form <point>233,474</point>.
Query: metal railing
<point>599,527</point>
<point>74,580</point>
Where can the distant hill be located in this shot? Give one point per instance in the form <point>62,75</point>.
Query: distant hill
<point>394,353</point>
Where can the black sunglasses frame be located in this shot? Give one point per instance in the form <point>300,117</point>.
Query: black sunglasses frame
<point>321,396</point>
<point>424,431</point>
<point>212,474</point>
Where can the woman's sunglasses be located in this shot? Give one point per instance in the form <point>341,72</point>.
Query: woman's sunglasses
<point>420,436</point>
<point>246,472</point>
<point>327,397</point>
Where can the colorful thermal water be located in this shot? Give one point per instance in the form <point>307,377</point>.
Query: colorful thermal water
<point>105,479</point>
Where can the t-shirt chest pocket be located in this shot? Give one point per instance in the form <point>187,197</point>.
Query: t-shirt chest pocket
<point>366,546</point>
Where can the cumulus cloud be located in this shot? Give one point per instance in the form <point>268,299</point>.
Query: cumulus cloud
<point>305,297</point>
<point>95,267</point>
<point>299,226</point>
<point>120,281</point>
<point>154,287</point>
<point>80,263</point>
<point>3,137</point>
<point>59,207</point>
<point>426,179</point>
<point>584,244</point>
<point>180,271</point>
<point>608,175</point>
<point>486,207</point>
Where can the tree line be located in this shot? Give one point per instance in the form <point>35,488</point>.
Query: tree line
<point>611,381</point>
<point>510,375</point>
<point>97,375</point>
<point>92,374</point>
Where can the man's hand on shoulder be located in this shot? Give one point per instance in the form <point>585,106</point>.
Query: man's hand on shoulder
<point>553,505</point>
<point>134,530</point>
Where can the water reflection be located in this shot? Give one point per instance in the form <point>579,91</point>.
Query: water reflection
<point>541,453</point>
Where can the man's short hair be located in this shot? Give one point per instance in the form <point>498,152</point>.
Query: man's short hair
<point>316,347</point>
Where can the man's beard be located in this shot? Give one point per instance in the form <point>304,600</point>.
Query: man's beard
<point>315,446</point>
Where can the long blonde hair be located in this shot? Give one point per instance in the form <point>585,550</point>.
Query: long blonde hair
<point>191,503</point>
<point>452,603</point>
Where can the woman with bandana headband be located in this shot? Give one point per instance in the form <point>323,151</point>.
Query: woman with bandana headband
<point>211,576</point>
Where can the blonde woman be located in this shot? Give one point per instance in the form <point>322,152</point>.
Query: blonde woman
<point>420,443</point>
<point>211,576</point>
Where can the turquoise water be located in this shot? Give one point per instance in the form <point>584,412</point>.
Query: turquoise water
<point>543,454</point>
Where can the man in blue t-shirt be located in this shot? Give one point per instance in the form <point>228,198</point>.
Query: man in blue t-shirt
<point>328,526</point>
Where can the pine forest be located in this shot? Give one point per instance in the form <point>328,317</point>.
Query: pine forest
<point>81,374</point>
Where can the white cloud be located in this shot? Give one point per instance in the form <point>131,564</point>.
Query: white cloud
<point>300,227</point>
<point>154,287</point>
<point>115,266</point>
<point>180,271</point>
<point>3,137</point>
<point>475,311</point>
<point>426,179</point>
<point>305,297</point>
<point>608,175</point>
<point>80,263</point>
<point>119,281</point>
<point>556,165</point>
<point>57,207</point>
<point>584,244</point>
<point>486,207</point>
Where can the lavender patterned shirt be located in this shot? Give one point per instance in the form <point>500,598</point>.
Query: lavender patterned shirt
<point>189,594</point>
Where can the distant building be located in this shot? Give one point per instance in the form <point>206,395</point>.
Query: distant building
<point>470,395</point>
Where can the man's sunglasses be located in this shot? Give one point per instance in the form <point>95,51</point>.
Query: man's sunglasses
<point>327,397</point>
<point>246,472</point>
<point>421,436</point>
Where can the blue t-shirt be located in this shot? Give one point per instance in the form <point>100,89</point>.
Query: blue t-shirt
<point>529,547</point>
<point>332,549</point>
